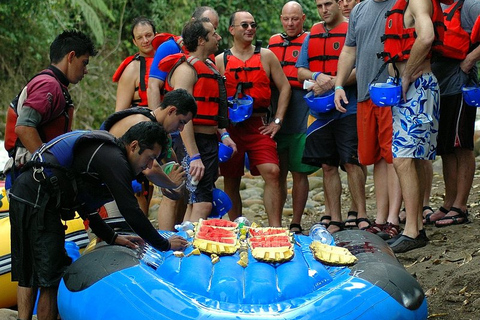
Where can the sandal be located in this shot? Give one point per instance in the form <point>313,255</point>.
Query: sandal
<point>324,219</point>
<point>296,226</point>
<point>360,220</point>
<point>338,224</point>
<point>351,223</point>
<point>375,228</point>
<point>428,219</point>
<point>459,218</point>
<point>389,231</point>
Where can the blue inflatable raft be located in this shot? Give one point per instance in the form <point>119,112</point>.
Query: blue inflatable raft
<point>113,282</point>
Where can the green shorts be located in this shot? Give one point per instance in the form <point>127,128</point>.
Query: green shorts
<point>294,144</point>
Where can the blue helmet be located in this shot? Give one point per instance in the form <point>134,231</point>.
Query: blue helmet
<point>471,95</point>
<point>224,152</point>
<point>385,94</point>
<point>322,103</point>
<point>221,203</point>
<point>241,108</point>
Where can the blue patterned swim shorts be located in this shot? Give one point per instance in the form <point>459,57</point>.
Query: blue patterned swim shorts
<point>415,122</point>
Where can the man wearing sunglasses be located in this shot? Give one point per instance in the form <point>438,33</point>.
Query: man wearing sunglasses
<point>251,69</point>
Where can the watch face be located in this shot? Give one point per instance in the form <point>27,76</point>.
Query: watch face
<point>277,121</point>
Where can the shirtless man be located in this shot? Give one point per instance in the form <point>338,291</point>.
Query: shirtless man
<point>132,74</point>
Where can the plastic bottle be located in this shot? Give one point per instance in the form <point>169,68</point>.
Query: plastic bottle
<point>184,226</point>
<point>318,232</point>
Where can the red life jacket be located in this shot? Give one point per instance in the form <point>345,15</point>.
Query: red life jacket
<point>287,51</point>
<point>209,90</point>
<point>398,41</point>
<point>253,78</point>
<point>145,63</point>
<point>475,35</point>
<point>54,127</point>
<point>162,37</point>
<point>324,47</point>
<point>457,41</point>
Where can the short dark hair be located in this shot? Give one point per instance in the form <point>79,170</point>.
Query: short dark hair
<point>199,11</point>
<point>232,17</point>
<point>147,133</point>
<point>182,100</point>
<point>71,40</point>
<point>142,20</point>
<point>193,30</point>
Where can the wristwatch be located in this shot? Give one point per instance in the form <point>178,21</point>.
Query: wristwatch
<point>277,121</point>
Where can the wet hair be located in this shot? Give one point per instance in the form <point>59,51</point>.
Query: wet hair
<point>199,11</point>
<point>71,40</point>
<point>147,133</point>
<point>142,20</point>
<point>182,100</point>
<point>193,30</point>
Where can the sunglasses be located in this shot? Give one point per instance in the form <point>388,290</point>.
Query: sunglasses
<point>245,25</point>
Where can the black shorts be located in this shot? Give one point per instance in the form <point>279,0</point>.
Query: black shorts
<point>39,257</point>
<point>334,144</point>
<point>207,145</point>
<point>457,124</point>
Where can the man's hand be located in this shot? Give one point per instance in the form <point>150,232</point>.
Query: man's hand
<point>339,97</point>
<point>197,169</point>
<point>271,129</point>
<point>178,243</point>
<point>131,242</point>
<point>177,174</point>
<point>230,143</point>
<point>323,83</point>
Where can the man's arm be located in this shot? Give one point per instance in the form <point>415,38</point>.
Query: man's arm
<point>153,92</point>
<point>185,77</point>
<point>420,11</point>
<point>284,89</point>
<point>470,60</point>
<point>346,62</point>
<point>126,86</point>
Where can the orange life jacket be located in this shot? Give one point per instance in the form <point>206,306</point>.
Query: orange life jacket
<point>287,51</point>
<point>56,126</point>
<point>145,63</point>
<point>398,41</point>
<point>457,41</point>
<point>162,37</point>
<point>324,47</point>
<point>475,35</point>
<point>252,77</point>
<point>209,90</point>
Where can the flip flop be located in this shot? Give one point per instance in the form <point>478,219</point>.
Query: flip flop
<point>428,220</point>
<point>460,218</point>
<point>351,223</point>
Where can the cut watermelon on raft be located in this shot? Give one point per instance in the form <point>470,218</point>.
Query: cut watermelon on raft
<point>255,232</point>
<point>217,234</point>
<point>271,242</point>
<point>219,223</point>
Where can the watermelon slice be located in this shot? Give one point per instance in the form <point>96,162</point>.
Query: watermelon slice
<point>219,223</point>
<point>206,231</point>
<point>270,242</point>
<point>254,232</point>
